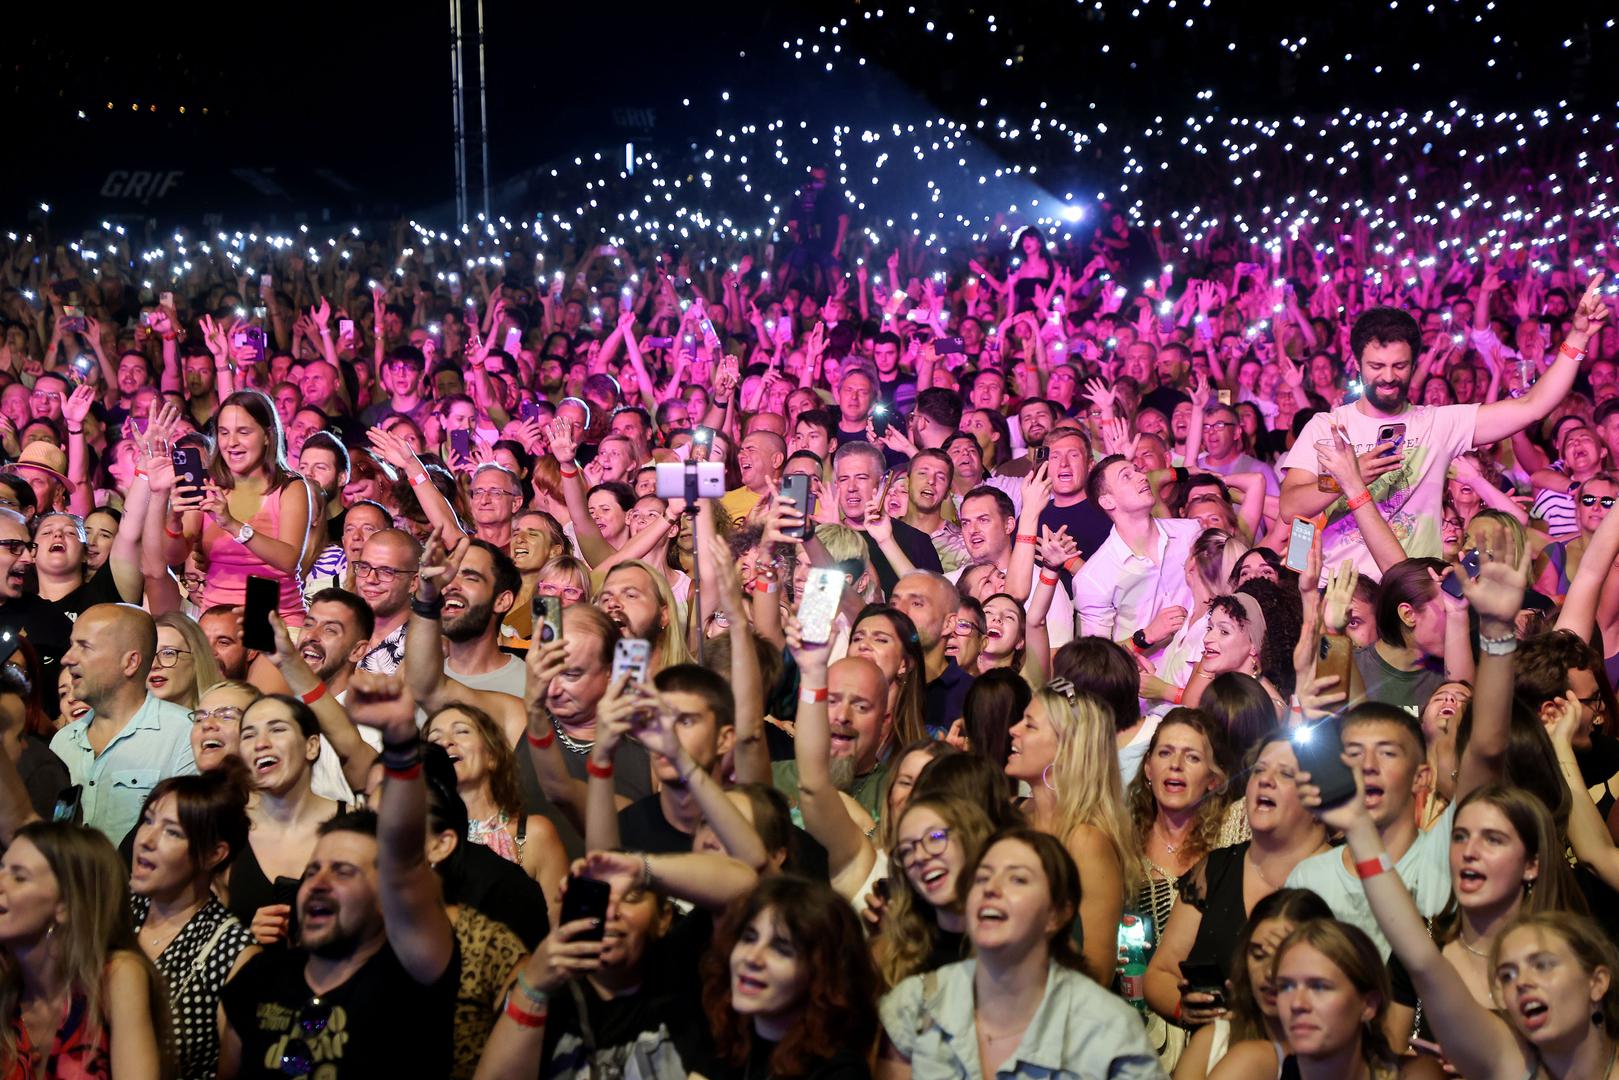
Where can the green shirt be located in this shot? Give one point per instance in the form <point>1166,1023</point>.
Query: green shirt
<point>867,789</point>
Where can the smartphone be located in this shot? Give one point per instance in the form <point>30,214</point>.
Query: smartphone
<point>73,320</point>
<point>1204,979</point>
<point>879,419</point>
<point>795,489</point>
<point>1394,434</point>
<point>69,805</point>
<point>249,341</point>
<point>631,657</point>
<point>1453,581</point>
<point>819,607</point>
<point>1299,543</point>
<point>702,436</point>
<point>188,466</point>
<point>1337,659</point>
<point>945,346</point>
<point>586,898</point>
<point>514,342</point>
<point>1320,751</point>
<point>284,890</point>
<point>141,423</point>
<point>345,329</point>
<point>79,371</point>
<point>9,640</point>
<point>461,443</point>
<point>166,300</point>
<point>528,410</point>
<point>548,624</point>
<point>657,342</point>
<point>1041,455</point>
<point>671,480</point>
<point>266,284</point>
<point>263,599</point>
<point>1224,396</point>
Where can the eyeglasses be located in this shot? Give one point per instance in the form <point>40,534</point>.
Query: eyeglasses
<point>492,493</point>
<point>46,395</point>
<point>168,657</point>
<point>298,1058</point>
<point>1591,500</point>
<point>1596,702</point>
<point>932,842</point>
<point>567,592</point>
<point>17,547</point>
<point>384,574</point>
<point>1218,424</point>
<point>967,626</point>
<point>225,715</point>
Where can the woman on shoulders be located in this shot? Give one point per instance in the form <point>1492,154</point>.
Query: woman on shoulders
<point>1023,1006</point>
<point>78,996</point>
<point>190,829</point>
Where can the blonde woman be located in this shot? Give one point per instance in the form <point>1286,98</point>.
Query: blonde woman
<point>1063,748</point>
<point>183,666</point>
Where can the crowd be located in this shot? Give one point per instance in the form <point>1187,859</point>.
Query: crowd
<point>1091,656</point>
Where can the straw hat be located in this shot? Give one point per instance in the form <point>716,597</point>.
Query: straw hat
<point>46,458</point>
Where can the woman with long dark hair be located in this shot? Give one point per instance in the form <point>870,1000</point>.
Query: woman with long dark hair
<point>887,637</point>
<point>924,927</point>
<point>253,516</point>
<point>190,829</point>
<point>77,995</point>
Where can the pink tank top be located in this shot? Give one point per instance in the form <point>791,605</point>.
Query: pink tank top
<point>230,564</point>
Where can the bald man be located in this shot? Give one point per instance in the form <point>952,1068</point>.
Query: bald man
<point>855,707</point>
<point>130,739</point>
<point>759,460</point>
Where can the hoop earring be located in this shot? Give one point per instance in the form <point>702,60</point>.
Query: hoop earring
<point>1045,778</point>
<point>1596,1018</point>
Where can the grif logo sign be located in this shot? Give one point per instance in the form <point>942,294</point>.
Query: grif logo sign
<point>140,185</point>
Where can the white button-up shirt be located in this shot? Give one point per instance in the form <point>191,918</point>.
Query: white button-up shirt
<point>1118,592</point>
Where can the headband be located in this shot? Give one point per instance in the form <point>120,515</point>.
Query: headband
<point>1256,617</point>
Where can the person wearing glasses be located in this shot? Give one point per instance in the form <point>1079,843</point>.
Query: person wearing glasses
<point>369,987</point>
<point>384,576</point>
<point>496,493</point>
<point>183,666</point>
<point>21,608</point>
<point>1592,501</point>
<point>130,739</point>
<point>1222,448</point>
<point>924,926</point>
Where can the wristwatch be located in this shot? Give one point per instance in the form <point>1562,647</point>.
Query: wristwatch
<point>1139,639</point>
<point>245,535</point>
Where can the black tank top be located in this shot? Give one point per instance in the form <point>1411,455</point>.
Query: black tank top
<point>251,890</point>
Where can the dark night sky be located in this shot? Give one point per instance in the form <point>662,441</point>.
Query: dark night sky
<point>346,107</point>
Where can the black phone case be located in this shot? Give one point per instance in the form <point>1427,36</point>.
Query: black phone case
<point>586,898</point>
<point>263,597</point>
<point>796,489</point>
<point>188,466</point>
<point>1321,755</point>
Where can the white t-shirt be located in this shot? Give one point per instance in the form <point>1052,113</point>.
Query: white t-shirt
<point>1411,498</point>
<point>1425,869</point>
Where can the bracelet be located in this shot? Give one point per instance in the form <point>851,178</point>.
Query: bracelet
<point>1370,868</point>
<point>1178,696</point>
<point>812,696</point>
<point>75,431</point>
<point>528,990</point>
<point>418,480</point>
<point>1072,564</point>
<point>406,772</point>
<point>570,471</point>
<point>1499,646</point>
<point>525,1019</point>
<point>1027,538</point>
<point>171,534</point>
<point>646,872</point>
<point>1565,349</point>
<point>1360,500</point>
<point>600,772</point>
<point>401,757</point>
<point>427,609</point>
<point>140,473</point>
<point>540,742</point>
<point>1052,580</point>
<point>314,695</point>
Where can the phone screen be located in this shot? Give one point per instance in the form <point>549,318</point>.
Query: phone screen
<point>1320,750</point>
<point>1299,543</point>
<point>263,598</point>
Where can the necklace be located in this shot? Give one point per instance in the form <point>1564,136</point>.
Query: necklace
<point>161,943</point>
<point>577,746</point>
<point>1260,870</point>
<point>1163,837</point>
<point>1481,955</point>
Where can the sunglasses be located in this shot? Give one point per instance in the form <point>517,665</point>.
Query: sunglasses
<point>1591,500</point>
<point>298,1059</point>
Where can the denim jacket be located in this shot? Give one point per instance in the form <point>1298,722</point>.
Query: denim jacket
<point>1079,1032</point>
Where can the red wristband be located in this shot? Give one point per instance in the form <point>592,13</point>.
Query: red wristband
<point>1027,538</point>
<point>1360,500</point>
<point>1370,868</point>
<point>541,741</point>
<point>1048,580</point>
<point>812,696</point>
<point>1178,696</point>
<point>570,472</point>
<point>171,534</point>
<point>314,695</point>
<point>1565,349</point>
<point>600,772</point>
<point>526,1019</point>
<point>409,773</point>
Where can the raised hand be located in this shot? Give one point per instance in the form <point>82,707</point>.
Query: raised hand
<point>1102,396</point>
<point>383,702</point>
<point>1056,548</point>
<point>1340,591</point>
<point>76,406</point>
<point>1497,593</point>
<point>563,445</point>
<point>1591,312</point>
<point>440,563</point>
<point>877,521</point>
